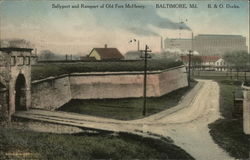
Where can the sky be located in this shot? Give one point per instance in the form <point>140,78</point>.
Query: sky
<point>78,30</point>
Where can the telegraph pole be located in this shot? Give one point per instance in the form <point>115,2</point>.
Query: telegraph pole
<point>189,67</point>
<point>189,60</point>
<point>146,56</point>
<point>0,32</point>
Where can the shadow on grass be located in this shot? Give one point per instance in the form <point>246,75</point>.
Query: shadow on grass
<point>24,144</point>
<point>125,108</point>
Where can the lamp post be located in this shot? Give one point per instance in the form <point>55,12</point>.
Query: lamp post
<point>146,56</point>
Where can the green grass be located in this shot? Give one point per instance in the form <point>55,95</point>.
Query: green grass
<point>14,143</point>
<point>125,108</point>
<point>218,75</point>
<point>228,132</point>
<point>40,71</point>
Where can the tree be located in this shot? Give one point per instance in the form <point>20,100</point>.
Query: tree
<point>196,63</point>
<point>237,60</point>
<point>133,55</point>
<point>18,43</point>
<point>47,55</point>
<point>196,60</point>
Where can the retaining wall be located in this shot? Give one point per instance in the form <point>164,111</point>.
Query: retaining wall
<point>51,93</point>
<point>246,109</point>
<point>54,92</point>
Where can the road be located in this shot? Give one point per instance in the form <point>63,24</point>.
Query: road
<point>186,124</point>
<point>189,127</point>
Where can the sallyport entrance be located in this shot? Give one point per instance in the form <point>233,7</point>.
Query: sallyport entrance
<point>20,93</point>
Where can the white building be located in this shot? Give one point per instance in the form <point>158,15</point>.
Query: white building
<point>220,65</point>
<point>214,63</point>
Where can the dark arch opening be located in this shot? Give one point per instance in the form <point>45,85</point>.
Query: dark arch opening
<point>20,98</point>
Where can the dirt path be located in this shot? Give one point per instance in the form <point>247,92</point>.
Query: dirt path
<point>189,126</point>
<point>186,124</point>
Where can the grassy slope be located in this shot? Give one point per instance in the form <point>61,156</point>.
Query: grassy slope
<point>228,132</point>
<point>53,69</point>
<point>84,146</point>
<point>126,108</point>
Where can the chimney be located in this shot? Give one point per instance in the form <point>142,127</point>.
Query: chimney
<point>192,42</point>
<point>161,44</point>
<point>105,46</point>
<point>138,45</point>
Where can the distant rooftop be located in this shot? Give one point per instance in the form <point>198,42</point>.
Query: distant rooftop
<point>219,35</point>
<point>109,53</point>
<point>202,58</point>
<point>9,49</point>
<point>181,39</point>
<point>178,39</point>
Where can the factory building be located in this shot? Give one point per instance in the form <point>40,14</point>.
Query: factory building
<point>209,44</point>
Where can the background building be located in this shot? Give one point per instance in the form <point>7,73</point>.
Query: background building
<point>182,44</point>
<point>212,44</point>
<point>214,63</point>
<point>209,44</point>
<point>106,54</point>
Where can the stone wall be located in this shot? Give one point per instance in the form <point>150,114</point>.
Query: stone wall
<point>126,84</point>
<point>3,105</point>
<point>246,109</point>
<point>172,79</point>
<point>54,92</point>
<point>51,93</point>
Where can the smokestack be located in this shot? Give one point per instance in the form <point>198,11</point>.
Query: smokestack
<point>161,44</point>
<point>105,46</point>
<point>138,45</point>
<point>192,45</point>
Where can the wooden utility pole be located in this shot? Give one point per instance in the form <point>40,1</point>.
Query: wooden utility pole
<point>189,59</point>
<point>189,67</point>
<point>0,32</point>
<point>146,56</point>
